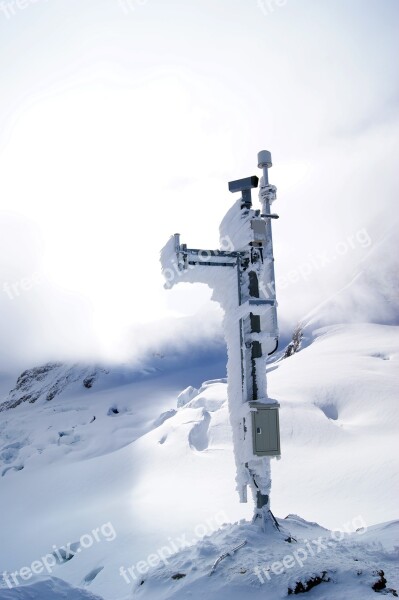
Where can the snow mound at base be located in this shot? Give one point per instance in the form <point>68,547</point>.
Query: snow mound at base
<point>339,565</point>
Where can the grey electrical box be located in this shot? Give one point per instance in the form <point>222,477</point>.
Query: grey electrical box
<point>259,228</point>
<point>265,429</point>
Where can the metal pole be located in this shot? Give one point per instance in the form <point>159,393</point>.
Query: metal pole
<point>264,163</point>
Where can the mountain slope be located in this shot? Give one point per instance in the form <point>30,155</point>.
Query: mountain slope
<point>154,473</point>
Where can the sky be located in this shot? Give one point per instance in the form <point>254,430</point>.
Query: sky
<point>121,123</point>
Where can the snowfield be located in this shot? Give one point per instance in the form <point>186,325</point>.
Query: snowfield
<point>128,478</point>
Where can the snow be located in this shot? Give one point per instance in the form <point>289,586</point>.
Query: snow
<point>338,395</point>
<point>186,395</point>
<point>157,479</point>
<point>236,227</point>
<point>48,590</point>
<point>339,565</point>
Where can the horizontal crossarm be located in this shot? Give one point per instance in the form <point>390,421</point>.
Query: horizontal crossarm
<point>212,253</point>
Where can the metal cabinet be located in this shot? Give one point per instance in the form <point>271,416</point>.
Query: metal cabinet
<point>265,429</point>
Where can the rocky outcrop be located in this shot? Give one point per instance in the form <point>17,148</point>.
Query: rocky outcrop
<point>47,381</point>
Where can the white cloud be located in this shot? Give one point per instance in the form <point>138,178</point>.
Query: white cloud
<point>122,129</point>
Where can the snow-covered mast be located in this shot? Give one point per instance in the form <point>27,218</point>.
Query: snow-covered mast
<point>241,275</point>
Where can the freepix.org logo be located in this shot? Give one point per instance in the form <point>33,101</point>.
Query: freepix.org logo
<point>174,545</point>
<point>60,555</point>
<point>310,549</point>
<point>10,8</point>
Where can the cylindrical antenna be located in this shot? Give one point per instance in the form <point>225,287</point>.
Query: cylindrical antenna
<point>264,163</point>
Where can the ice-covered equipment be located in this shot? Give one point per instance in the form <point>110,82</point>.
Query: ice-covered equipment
<point>241,276</point>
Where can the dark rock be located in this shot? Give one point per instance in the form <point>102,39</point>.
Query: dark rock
<point>381,582</point>
<point>306,586</point>
<point>295,344</point>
